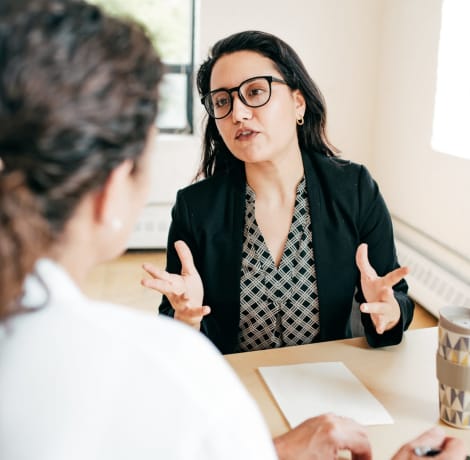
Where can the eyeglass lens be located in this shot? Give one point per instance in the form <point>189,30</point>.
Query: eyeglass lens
<point>254,92</point>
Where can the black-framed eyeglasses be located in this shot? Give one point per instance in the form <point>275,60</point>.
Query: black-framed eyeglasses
<point>254,92</point>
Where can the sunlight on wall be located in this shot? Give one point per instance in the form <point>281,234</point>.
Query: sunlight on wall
<point>452,104</point>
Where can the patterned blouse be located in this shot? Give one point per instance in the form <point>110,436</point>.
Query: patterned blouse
<point>279,305</point>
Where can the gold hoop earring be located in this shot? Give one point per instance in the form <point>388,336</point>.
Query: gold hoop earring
<point>300,120</point>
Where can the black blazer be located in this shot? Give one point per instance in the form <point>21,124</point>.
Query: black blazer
<point>346,209</point>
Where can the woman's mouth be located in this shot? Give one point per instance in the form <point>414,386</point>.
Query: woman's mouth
<point>243,134</point>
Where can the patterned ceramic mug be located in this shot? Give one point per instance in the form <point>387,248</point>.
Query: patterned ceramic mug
<point>453,366</point>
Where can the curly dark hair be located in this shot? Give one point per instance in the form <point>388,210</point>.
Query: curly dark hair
<point>78,94</point>
<point>216,157</point>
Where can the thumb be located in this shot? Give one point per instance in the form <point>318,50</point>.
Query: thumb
<point>362,261</point>
<point>186,258</point>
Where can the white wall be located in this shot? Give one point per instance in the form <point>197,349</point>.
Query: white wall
<point>428,190</point>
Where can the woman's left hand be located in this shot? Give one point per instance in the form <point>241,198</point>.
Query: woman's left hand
<point>378,292</point>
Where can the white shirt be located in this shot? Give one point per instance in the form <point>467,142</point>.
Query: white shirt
<point>81,379</point>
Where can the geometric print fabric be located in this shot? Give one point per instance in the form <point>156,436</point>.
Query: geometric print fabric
<point>278,305</point>
<point>454,403</point>
<point>454,406</point>
<point>454,347</point>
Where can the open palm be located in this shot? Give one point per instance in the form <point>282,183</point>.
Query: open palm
<point>381,303</point>
<point>185,291</point>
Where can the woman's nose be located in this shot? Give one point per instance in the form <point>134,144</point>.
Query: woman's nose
<point>240,111</point>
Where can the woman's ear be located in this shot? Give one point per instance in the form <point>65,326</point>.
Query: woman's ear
<point>113,197</point>
<point>299,102</point>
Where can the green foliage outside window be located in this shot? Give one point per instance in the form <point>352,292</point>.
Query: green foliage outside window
<point>168,23</point>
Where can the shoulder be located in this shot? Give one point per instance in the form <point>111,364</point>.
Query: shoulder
<point>209,200</point>
<point>334,166</point>
<point>338,174</point>
<point>192,372</point>
<point>158,333</point>
<point>182,356</point>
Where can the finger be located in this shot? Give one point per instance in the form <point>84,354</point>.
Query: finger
<point>193,312</point>
<point>380,325</point>
<point>395,276</point>
<point>162,275</point>
<point>152,270</point>
<point>362,262</point>
<point>452,448</point>
<point>356,441</point>
<point>332,433</point>
<point>433,437</point>
<point>151,284</point>
<point>186,258</point>
<point>347,434</point>
<point>380,320</point>
<point>193,320</point>
<point>171,287</point>
<point>374,308</point>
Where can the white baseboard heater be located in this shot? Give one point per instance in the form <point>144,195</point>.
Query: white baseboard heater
<point>438,277</point>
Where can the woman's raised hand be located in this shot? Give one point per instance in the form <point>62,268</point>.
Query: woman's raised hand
<point>184,292</point>
<point>378,292</point>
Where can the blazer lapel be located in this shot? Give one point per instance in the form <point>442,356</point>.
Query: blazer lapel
<point>319,240</point>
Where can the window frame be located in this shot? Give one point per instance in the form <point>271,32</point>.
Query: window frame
<point>188,70</point>
<point>172,68</point>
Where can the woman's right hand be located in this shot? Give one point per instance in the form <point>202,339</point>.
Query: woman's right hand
<point>184,292</point>
<point>446,448</point>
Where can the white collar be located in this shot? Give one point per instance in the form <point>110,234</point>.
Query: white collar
<point>49,281</point>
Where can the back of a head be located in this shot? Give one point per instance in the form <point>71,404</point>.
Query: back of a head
<point>78,93</point>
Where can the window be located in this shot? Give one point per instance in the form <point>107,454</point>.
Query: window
<point>452,103</point>
<point>170,24</point>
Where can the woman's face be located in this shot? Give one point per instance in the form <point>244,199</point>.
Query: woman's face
<point>133,193</point>
<point>142,174</point>
<point>261,134</point>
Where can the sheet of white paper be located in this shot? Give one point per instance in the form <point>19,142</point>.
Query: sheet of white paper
<point>310,389</point>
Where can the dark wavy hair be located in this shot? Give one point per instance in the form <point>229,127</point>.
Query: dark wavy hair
<point>78,94</point>
<point>216,157</point>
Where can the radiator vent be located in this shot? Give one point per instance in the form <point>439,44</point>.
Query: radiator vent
<point>430,284</point>
<point>151,231</point>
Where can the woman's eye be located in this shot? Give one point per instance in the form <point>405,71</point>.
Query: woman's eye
<point>256,91</point>
<point>221,102</point>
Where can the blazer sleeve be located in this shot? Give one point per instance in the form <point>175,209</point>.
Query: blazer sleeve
<point>376,230</point>
<point>200,219</point>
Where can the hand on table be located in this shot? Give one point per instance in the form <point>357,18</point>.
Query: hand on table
<point>378,292</point>
<point>184,292</point>
<point>322,438</point>
<point>435,438</point>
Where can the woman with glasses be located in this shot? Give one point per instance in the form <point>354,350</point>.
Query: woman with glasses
<point>272,246</point>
